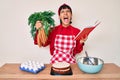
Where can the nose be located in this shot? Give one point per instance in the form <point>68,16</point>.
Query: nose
<point>65,13</point>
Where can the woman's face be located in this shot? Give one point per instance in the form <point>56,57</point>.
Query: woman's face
<point>65,16</point>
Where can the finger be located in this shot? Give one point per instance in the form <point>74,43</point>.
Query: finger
<point>82,41</point>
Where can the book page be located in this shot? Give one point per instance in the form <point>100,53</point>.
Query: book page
<point>86,31</point>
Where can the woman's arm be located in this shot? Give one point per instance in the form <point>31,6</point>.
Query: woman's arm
<point>79,45</point>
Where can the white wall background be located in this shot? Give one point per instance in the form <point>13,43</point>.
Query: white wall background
<point>16,43</point>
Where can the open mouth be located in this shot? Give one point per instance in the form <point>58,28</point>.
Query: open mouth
<point>66,19</point>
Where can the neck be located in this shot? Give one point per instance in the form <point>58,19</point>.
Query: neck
<point>65,25</point>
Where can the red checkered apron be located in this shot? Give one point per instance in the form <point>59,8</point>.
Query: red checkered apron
<point>64,45</point>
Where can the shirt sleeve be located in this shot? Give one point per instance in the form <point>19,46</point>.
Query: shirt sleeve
<point>35,38</point>
<point>50,41</point>
<point>78,48</point>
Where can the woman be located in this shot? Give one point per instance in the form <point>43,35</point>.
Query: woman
<point>63,47</point>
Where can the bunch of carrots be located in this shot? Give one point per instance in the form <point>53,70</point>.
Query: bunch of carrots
<point>47,22</point>
<point>41,37</point>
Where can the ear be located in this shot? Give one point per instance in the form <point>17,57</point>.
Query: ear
<point>59,17</point>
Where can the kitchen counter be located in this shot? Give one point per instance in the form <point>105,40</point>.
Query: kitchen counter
<point>8,71</point>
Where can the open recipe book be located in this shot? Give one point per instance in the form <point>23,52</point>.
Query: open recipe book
<point>86,31</point>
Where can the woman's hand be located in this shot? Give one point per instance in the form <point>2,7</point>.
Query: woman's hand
<point>83,39</point>
<point>38,24</point>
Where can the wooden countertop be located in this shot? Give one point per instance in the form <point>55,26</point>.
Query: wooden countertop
<point>110,71</point>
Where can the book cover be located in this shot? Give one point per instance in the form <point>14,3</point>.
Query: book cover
<point>86,31</point>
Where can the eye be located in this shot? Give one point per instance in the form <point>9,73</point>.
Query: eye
<point>62,11</point>
<point>68,11</point>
